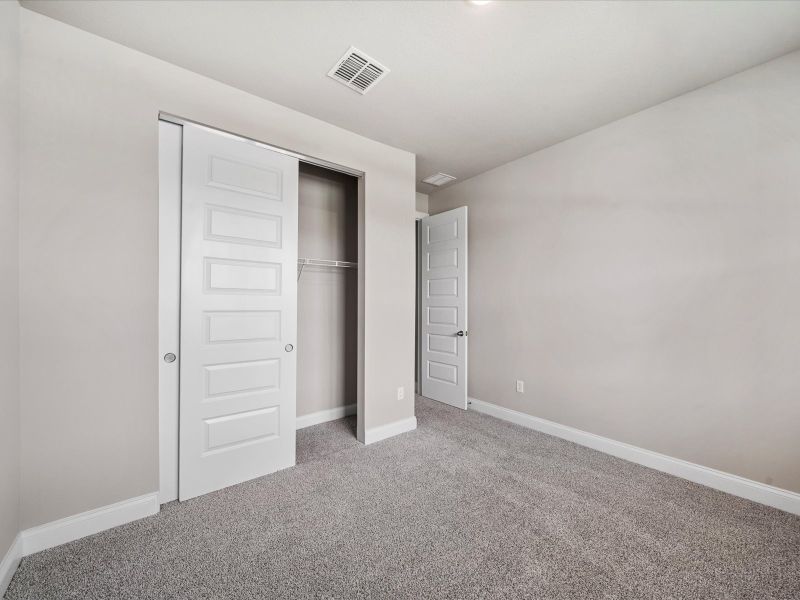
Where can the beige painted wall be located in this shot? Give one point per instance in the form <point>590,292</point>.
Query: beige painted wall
<point>643,279</point>
<point>89,258</point>
<point>9,274</point>
<point>327,298</point>
<point>422,202</point>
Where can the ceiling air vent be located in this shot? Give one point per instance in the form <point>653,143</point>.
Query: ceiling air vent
<point>358,71</point>
<point>438,179</point>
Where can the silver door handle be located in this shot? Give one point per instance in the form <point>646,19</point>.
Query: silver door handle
<point>288,347</point>
<point>461,333</point>
<point>169,357</point>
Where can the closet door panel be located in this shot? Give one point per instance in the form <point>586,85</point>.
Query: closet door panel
<point>238,311</point>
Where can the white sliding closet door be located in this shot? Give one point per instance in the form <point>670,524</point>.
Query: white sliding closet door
<point>443,279</point>
<point>238,311</point>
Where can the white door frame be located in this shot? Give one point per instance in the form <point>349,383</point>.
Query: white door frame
<point>418,215</point>
<point>170,144</point>
<point>170,149</point>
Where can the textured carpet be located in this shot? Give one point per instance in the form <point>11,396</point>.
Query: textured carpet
<point>465,507</point>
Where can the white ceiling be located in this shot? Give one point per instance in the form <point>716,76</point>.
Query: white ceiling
<point>471,87</point>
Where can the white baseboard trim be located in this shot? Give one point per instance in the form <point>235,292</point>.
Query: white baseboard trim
<point>719,480</point>
<point>75,527</point>
<point>10,563</point>
<point>323,416</point>
<point>376,434</point>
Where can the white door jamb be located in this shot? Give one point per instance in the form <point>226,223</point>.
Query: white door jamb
<point>170,138</point>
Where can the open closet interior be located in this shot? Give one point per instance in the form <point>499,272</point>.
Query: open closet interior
<point>327,295</point>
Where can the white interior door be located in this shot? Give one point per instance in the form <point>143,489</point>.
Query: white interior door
<point>443,279</point>
<point>238,311</point>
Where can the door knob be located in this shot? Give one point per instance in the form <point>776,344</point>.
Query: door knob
<point>169,357</point>
<point>288,347</point>
<point>461,333</point>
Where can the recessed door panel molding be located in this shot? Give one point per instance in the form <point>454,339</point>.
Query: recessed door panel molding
<point>225,276</point>
<point>227,224</point>
<point>230,431</point>
<point>442,372</point>
<point>238,311</point>
<point>242,326</point>
<point>443,343</point>
<point>239,176</point>
<point>444,332</point>
<point>442,315</point>
<point>447,286</point>
<point>442,258</point>
<point>251,376</point>
<point>441,232</point>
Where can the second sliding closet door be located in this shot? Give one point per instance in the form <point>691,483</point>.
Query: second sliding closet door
<point>238,311</point>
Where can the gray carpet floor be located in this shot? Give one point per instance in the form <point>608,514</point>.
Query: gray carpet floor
<point>465,507</point>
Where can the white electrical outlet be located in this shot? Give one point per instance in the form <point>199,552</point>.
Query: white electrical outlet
<point>520,386</point>
<point>401,393</point>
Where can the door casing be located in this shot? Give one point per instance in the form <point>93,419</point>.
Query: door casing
<point>170,144</point>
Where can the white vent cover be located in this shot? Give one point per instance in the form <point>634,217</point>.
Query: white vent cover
<point>438,179</point>
<point>358,71</point>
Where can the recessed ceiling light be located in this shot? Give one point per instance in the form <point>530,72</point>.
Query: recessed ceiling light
<point>479,2</point>
<point>438,179</point>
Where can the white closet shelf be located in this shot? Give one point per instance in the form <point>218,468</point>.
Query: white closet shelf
<point>321,262</point>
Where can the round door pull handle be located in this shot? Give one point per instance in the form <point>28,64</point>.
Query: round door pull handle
<point>460,334</point>
<point>169,357</point>
<point>288,347</point>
